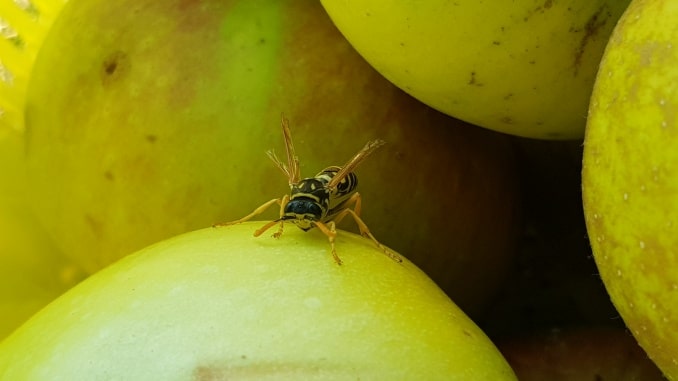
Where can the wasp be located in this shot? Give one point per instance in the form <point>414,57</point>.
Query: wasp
<point>321,201</point>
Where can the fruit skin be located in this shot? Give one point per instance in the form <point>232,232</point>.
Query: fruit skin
<point>522,67</point>
<point>574,354</point>
<point>220,304</point>
<point>134,138</point>
<point>32,271</point>
<point>630,186</point>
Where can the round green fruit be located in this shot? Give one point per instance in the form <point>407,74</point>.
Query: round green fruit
<point>221,304</point>
<point>523,67</point>
<point>630,176</point>
<point>148,118</point>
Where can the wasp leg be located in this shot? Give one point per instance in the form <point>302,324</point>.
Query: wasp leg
<point>364,230</point>
<point>283,202</point>
<point>256,212</point>
<point>356,200</point>
<point>280,201</point>
<point>330,231</point>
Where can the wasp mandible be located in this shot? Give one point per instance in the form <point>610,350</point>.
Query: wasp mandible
<point>321,201</point>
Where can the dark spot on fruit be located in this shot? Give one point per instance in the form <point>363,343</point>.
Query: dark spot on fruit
<point>109,67</point>
<point>113,67</point>
<point>473,81</point>
<point>109,175</point>
<point>507,120</point>
<point>595,23</point>
<point>151,138</point>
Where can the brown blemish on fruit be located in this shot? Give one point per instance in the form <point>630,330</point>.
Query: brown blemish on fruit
<point>595,23</point>
<point>473,81</point>
<point>109,175</point>
<point>151,138</point>
<point>114,67</point>
<point>539,9</point>
<point>255,371</point>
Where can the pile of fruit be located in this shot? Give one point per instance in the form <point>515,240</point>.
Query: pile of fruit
<point>129,130</point>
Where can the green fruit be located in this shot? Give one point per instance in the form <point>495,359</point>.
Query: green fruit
<point>147,119</point>
<point>221,304</point>
<point>630,183</point>
<point>522,67</point>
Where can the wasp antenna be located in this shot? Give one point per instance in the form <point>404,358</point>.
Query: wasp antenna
<point>293,172</point>
<point>278,163</point>
<point>367,150</point>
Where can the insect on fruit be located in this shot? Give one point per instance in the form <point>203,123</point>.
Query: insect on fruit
<point>321,201</point>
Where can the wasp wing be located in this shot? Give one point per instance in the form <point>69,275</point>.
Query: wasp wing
<point>291,169</point>
<point>370,147</point>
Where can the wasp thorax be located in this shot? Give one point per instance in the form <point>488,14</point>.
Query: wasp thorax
<point>312,186</point>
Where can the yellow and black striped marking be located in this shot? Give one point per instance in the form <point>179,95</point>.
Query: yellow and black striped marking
<point>321,201</point>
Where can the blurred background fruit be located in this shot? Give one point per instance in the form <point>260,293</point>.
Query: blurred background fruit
<point>220,304</point>
<point>630,185</point>
<point>32,270</point>
<point>140,130</point>
<point>579,354</point>
<point>522,67</point>
<point>23,26</point>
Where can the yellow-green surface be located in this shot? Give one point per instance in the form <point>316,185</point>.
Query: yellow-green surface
<point>221,304</point>
<point>32,270</point>
<point>522,67</point>
<point>630,177</point>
